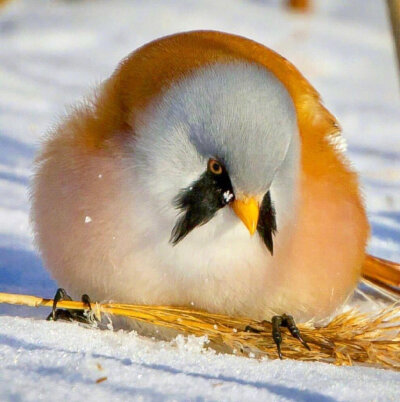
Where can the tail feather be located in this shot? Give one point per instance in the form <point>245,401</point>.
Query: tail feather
<point>382,272</point>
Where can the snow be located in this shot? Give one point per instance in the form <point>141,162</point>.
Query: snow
<point>42,360</point>
<point>50,56</point>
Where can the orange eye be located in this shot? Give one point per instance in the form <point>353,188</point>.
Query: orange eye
<point>214,166</point>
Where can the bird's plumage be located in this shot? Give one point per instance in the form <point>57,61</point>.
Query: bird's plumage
<point>148,132</point>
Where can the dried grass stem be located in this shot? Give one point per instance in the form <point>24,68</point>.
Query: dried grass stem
<point>352,337</point>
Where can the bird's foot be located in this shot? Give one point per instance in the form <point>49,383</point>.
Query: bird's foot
<point>279,321</point>
<point>85,316</point>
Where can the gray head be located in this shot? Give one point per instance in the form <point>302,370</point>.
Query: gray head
<point>238,115</point>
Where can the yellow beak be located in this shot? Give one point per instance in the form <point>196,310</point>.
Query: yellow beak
<point>248,212</point>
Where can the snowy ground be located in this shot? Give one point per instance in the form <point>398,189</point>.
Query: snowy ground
<point>51,53</point>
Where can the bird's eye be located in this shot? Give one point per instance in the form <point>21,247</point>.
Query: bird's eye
<point>214,166</point>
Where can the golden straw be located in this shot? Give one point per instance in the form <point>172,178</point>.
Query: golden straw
<point>352,337</point>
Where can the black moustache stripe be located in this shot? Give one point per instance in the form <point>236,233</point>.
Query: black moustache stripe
<point>266,226</point>
<point>200,201</point>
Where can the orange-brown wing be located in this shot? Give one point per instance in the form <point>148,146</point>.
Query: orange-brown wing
<point>382,272</point>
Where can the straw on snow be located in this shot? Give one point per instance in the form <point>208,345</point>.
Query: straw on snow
<point>350,338</point>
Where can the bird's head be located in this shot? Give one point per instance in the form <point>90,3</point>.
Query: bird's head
<point>223,138</point>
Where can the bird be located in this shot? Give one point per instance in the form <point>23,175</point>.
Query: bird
<point>204,172</point>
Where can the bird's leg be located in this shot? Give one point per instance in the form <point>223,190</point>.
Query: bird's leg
<point>85,316</point>
<point>56,314</point>
<point>279,321</point>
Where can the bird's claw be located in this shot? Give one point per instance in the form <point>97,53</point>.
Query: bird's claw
<point>287,321</point>
<point>279,321</point>
<point>85,316</point>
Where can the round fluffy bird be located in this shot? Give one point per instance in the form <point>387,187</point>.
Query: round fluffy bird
<point>205,172</point>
